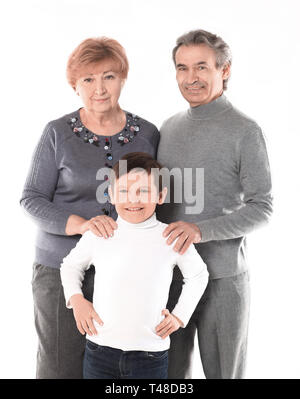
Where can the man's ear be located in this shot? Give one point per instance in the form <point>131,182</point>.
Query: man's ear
<point>226,71</point>
<point>111,195</point>
<point>162,196</point>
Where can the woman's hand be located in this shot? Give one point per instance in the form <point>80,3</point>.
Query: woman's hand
<point>187,234</point>
<point>170,324</point>
<point>101,226</point>
<point>84,314</point>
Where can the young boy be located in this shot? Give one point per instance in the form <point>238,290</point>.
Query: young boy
<point>127,323</point>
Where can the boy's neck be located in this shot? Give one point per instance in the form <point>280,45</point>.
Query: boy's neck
<point>150,222</point>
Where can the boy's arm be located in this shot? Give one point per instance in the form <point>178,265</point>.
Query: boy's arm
<point>74,265</point>
<point>195,279</point>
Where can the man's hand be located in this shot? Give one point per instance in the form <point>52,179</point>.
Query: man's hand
<point>84,314</point>
<point>170,324</point>
<point>187,234</point>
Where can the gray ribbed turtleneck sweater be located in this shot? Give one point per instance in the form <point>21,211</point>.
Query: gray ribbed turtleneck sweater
<point>230,147</point>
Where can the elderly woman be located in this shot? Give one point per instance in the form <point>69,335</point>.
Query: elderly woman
<point>61,195</point>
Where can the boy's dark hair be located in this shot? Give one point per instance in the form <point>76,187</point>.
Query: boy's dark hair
<point>137,160</point>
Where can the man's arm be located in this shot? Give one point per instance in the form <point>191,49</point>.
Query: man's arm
<point>255,178</point>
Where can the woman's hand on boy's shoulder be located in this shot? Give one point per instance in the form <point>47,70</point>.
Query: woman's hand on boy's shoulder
<point>167,326</point>
<point>101,226</point>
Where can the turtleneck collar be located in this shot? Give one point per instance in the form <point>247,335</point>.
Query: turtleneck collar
<point>209,110</point>
<point>150,222</point>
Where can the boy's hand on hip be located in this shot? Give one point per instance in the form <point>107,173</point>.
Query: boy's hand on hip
<point>187,233</point>
<point>84,314</point>
<point>170,324</point>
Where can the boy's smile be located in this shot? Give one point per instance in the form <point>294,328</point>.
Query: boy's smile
<point>135,196</point>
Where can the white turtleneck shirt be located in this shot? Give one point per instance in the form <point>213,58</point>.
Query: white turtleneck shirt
<point>134,270</point>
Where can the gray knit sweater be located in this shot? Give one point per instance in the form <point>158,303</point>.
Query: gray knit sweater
<point>62,178</point>
<point>230,147</point>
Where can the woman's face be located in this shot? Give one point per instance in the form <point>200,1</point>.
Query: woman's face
<point>99,86</point>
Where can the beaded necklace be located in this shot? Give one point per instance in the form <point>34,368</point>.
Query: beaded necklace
<point>125,136</point>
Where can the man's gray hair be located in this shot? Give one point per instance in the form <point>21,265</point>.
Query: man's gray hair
<point>221,49</point>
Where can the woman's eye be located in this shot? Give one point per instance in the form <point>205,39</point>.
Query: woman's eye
<point>109,77</point>
<point>88,80</point>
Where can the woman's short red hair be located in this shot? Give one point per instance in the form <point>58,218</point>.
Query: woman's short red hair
<point>93,51</point>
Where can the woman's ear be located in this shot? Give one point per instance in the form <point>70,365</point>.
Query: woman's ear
<point>75,87</point>
<point>123,83</point>
<point>162,196</point>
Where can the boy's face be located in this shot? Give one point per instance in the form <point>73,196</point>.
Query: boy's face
<point>135,196</point>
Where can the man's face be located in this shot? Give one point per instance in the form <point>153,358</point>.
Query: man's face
<point>199,81</point>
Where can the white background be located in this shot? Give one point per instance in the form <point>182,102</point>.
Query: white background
<point>36,39</point>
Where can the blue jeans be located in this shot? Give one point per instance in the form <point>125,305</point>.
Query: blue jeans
<point>101,362</point>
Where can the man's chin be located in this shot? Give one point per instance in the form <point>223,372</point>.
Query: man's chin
<point>195,100</point>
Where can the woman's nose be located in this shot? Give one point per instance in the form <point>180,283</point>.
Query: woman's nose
<point>100,88</point>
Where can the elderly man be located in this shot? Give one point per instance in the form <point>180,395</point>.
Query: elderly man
<point>230,148</point>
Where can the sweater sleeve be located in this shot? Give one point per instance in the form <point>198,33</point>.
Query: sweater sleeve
<point>75,264</point>
<point>41,184</point>
<point>255,178</point>
<point>195,279</point>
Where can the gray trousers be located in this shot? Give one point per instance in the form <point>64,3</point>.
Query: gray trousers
<point>221,322</point>
<point>60,344</point>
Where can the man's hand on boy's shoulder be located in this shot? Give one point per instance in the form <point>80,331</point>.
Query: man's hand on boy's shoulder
<point>187,233</point>
<point>167,326</point>
<point>84,314</point>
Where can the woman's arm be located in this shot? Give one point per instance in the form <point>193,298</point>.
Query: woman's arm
<point>41,184</point>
